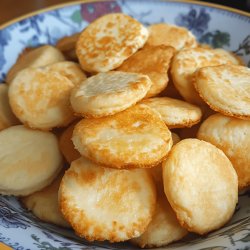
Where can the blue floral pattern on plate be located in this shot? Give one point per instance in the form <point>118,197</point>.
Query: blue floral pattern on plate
<point>18,227</point>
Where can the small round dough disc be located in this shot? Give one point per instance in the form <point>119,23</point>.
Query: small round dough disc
<point>231,135</point>
<point>226,89</point>
<point>7,118</point>
<point>108,41</point>
<point>187,61</point>
<point>170,35</point>
<point>175,113</point>
<point>136,137</point>
<point>153,61</point>
<point>108,93</point>
<point>44,204</point>
<point>106,204</point>
<point>29,160</point>
<point>201,185</point>
<point>40,98</point>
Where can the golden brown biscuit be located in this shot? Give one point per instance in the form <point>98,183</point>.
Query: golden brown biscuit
<point>136,137</point>
<point>70,70</point>
<point>225,89</point>
<point>108,93</point>
<point>44,203</point>
<point>35,58</point>
<point>175,113</point>
<point>153,61</point>
<point>66,145</point>
<point>106,204</point>
<point>7,118</point>
<point>40,98</point>
<point>231,135</point>
<point>108,41</point>
<point>201,185</point>
<point>187,61</point>
<point>170,35</point>
<point>29,159</point>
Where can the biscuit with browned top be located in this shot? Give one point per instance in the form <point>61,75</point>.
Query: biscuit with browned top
<point>153,61</point>
<point>108,41</point>
<point>231,135</point>
<point>106,204</point>
<point>136,137</point>
<point>201,185</point>
<point>108,93</point>
<point>226,89</point>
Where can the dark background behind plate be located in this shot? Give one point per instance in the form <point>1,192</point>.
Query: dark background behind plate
<point>10,9</point>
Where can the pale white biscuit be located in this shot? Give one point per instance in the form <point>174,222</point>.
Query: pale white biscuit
<point>44,203</point>
<point>175,113</point>
<point>35,58</point>
<point>201,185</point>
<point>170,35</point>
<point>7,118</point>
<point>108,41</point>
<point>106,204</point>
<point>108,93</point>
<point>40,98</point>
<point>231,135</point>
<point>71,70</point>
<point>226,89</point>
<point>153,61</point>
<point>29,159</point>
<point>187,61</point>
<point>136,137</point>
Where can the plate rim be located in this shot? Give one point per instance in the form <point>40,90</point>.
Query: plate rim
<point>77,2</point>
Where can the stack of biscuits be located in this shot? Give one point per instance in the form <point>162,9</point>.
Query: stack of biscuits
<point>154,128</point>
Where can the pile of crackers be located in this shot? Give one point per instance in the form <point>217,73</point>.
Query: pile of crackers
<point>154,128</point>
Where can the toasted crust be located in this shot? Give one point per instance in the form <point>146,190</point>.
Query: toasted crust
<point>153,61</point>
<point>44,203</point>
<point>136,137</point>
<point>7,118</point>
<point>40,98</point>
<point>108,93</point>
<point>231,135</point>
<point>201,185</point>
<point>108,41</point>
<point>175,113</point>
<point>23,154</point>
<point>35,58</point>
<point>170,35</point>
<point>66,145</point>
<point>70,70</point>
<point>187,61</point>
<point>106,204</point>
<point>226,89</point>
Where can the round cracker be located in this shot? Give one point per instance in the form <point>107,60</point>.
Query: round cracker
<point>106,204</point>
<point>187,61</point>
<point>7,118</point>
<point>231,135</point>
<point>136,137</point>
<point>35,58</point>
<point>40,98</point>
<point>175,113</point>
<point>170,35</point>
<point>71,70</point>
<point>108,41</point>
<point>201,185</point>
<point>153,61</point>
<point>44,203</point>
<point>66,145</point>
<point>29,159</point>
<point>226,89</point>
<point>108,93</point>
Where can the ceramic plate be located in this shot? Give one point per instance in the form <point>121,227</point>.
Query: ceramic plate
<point>216,26</point>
